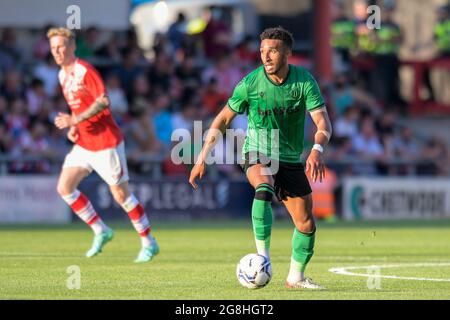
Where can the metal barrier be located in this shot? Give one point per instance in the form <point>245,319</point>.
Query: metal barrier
<point>155,163</point>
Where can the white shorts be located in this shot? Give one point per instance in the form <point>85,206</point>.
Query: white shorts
<point>110,164</point>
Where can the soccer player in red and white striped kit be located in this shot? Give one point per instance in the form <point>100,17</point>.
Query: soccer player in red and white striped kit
<point>98,145</point>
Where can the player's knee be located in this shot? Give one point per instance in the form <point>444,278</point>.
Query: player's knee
<point>119,196</point>
<point>264,192</point>
<point>64,190</point>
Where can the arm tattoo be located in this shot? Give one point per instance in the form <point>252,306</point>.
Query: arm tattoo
<point>95,108</point>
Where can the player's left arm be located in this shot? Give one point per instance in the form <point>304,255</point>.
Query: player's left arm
<point>315,164</point>
<point>100,104</point>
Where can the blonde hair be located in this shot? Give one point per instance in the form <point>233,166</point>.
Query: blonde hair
<point>64,32</point>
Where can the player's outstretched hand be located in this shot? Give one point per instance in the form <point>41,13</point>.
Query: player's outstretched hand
<point>315,165</point>
<point>72,134</point>
<point>197,172</point>
<point>63,120</point>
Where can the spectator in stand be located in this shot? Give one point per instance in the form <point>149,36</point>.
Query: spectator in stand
<point>140,94</point>
<point>227,74</point>
<point>59,105</point>
<point>362,61</point>
<point>87,44</point>
<point>12,87</point>
<point>42,47</point>
<point>217,35</point>
<point>344,154</point>
<point>6,141</point>
<point>407,148</point>
<point>386,124</point>
<point>184,119</point>
<point>11,55</point>
<point>364,40</point>
<point>437,153</point>
<point>442,31</point>
<point>35,143</point>
<point>387,128</point>
<point>160,73</point>
<point>141,138</point>
<point>119,103</point>
<point>368,147</point>
<point>346,126</point>
<point>58,141</point>
<point>17,120</point>
<point>47,71</point>
<point>131,41</point>
<point>247,52</point>
<point>110,50</point>
<point>162,45</point>
<point>162,119</point>
<point>177,32</point>
<point>129,70</point>
<point>343,36</point>
<point>441,35</point>
<point>385,75</point>
<point>344,95</point>
<point>45,114</point>
<point>3,110</point>
<point>35,96</point>
<point>213,98</point>
<point>188,73</point>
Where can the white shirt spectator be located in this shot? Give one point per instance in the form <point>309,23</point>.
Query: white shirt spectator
<point>119,103</point>
<point>49,75</point>
<point>345,128</point>
<point>367,146</point>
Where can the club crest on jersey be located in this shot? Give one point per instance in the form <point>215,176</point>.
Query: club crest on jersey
<point>261,94</point>
<point>295,94</point>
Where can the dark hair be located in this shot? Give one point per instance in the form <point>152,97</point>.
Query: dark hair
<point>278,33</point>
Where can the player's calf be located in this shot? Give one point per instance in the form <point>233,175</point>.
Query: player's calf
<point>142,226</point>
<point>83,208</point>
<point>262,218</point>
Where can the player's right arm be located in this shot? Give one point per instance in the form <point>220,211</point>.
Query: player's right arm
<point>218,126</point>
<point>72,134</point>
<point>238,103</point>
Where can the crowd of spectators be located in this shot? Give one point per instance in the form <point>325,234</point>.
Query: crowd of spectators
<point>190,77</point>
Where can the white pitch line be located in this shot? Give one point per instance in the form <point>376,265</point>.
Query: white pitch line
<point>344,271</point>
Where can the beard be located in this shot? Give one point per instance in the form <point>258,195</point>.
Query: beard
<point>276,67</point>
<point>273,70</point>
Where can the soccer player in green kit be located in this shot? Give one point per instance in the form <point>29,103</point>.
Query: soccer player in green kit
<point>276,96</point>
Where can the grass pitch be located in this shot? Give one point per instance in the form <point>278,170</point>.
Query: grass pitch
<point>198,261</point>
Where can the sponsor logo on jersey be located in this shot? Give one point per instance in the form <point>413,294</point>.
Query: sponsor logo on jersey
<point>278,111</point>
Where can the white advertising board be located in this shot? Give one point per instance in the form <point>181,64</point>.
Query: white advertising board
<point>395,198</point>
<point>31,199</point>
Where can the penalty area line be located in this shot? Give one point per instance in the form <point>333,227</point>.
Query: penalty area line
<point>345,271</point>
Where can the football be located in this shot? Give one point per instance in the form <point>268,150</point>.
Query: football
<point>254,271</point>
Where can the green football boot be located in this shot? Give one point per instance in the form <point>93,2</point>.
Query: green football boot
<point>147,253</point>
<point>99,242</point>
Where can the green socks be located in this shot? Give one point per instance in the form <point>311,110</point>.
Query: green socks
<point>302,248</point>
<point>262,218</point>
<point>302,244</point>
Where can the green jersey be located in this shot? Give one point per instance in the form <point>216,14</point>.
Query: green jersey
<point>281,107</point>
